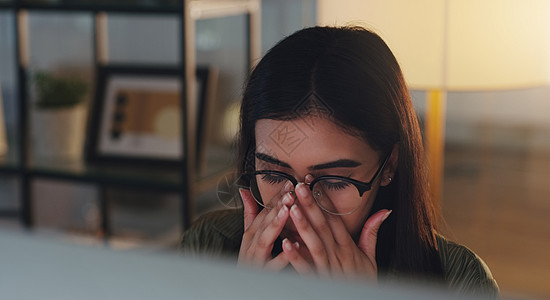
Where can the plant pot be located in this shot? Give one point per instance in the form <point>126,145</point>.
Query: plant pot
<point>59,133</point>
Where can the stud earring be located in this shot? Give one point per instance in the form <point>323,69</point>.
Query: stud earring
<point>389,179</point>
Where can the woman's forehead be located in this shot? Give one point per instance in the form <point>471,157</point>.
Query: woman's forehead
<point>309,140</point>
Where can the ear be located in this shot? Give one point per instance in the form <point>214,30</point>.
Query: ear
<point>389,171</point>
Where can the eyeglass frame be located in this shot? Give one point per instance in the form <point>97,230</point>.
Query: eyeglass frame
<point>361,186</point>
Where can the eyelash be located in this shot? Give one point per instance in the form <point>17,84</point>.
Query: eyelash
<point>338,186</point>
<point>273,179</point>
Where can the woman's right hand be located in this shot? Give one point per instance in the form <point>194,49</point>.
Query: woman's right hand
<point>261,229</point>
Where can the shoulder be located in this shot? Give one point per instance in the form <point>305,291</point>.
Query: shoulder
<point>217,233</point>
<point>465,272</point>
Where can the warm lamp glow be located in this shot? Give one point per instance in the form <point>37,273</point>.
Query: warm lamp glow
<point>457,44</point>
<point>412,29</point>
<point>498,44</point>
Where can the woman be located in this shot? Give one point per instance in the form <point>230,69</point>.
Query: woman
<point>333,164</point>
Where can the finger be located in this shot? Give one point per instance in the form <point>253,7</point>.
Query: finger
<point>264,217</point>
<point>288,199</point>
<point>330,228</point>
<point>257,222</point>
<point>296,260</point>
<point>263,233</point>
<point>339,231</point>
<point>278,263</point>
<point>369,233</point>
<point>314,214</point>
<point>311,239</point>
<point>257,242</point>
<point>250,207</point>
<point>267,235</point>
<point>278,197</point>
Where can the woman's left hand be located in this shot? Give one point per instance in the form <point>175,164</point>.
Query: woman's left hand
<point>333,251</point>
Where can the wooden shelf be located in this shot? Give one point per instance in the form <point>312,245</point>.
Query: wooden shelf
<point>182,179</point>
<point>219,163</point>
<point>201,9</point>
<point>97,6</point>
<point>169,180</point>
<point>9,164</point>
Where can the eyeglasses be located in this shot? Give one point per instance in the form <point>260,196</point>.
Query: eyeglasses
<point>337,195</point>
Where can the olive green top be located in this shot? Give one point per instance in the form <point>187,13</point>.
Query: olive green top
<point>219,234</point>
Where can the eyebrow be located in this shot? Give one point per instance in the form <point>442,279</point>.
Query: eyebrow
<point>271,160</point>
<point>341,163</point>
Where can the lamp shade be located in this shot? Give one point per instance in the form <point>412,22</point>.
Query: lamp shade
<point>457,44</point>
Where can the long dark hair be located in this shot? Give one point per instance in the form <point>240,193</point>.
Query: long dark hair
<point>349,75</point>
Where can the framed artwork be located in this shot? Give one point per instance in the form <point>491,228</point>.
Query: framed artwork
<point>136,117</point>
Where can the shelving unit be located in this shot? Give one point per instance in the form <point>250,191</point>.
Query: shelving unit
<point>184,180</point>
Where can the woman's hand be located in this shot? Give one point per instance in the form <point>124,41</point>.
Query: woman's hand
<point>332,249</point>
<point>261,229</point>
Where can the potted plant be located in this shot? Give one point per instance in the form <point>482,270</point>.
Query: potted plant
<point>57,92</point>
<point>58,123</point>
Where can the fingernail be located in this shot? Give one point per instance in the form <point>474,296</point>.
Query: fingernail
<point>297,245</point>
<point>296,212</point>
<point>309,178</point>
<point>287,244</point>
<point>287,199</point>
<point>288,187</point>
<point>386,215</point>
<point>301,190</point>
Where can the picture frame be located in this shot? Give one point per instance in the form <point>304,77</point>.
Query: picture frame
<point>136,117</point>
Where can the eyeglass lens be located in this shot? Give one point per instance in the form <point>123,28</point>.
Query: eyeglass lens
<point>334,196</point>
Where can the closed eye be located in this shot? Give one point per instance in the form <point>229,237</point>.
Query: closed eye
<point>334,184</point>
<point>273,179</point>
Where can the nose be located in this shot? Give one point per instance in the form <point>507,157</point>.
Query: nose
<point>289,186</point>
